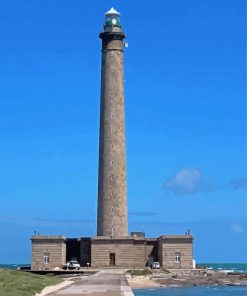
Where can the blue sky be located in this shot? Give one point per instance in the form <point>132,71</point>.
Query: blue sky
<point>185,121</point>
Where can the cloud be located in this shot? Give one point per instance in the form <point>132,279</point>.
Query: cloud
<point>236,228</point>
<point>188,181</point>
<point>238,183</point>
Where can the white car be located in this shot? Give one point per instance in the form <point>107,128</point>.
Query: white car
<point>155,265</point>
<point>73,264</point>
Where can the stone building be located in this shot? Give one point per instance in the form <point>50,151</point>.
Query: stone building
<point>172,251</point>
<point>112,246</point>
<point>48,252</point>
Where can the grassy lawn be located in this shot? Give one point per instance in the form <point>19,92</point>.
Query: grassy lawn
<point>16,283</point>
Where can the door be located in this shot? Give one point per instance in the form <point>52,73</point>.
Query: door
<point>112,259</point>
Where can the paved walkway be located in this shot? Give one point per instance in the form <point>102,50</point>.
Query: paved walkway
<point>104,283</point>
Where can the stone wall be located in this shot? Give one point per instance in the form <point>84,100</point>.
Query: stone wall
<point>48,252</point>
<point>101,247</point>
<point>129,251</point>
<point>176,251</point>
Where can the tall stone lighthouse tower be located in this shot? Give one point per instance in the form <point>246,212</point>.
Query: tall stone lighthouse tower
<point>112,201</point>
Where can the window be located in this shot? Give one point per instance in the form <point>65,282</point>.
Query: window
<point>112,209</point>
<point>112,177</point>
<point>113,194</point>
<point>46,258</point>
<point>177,257</point>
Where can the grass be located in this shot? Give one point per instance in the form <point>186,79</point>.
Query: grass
<point>17,283</point>
<point>143,272</point>
<point>138,272</point>
<point>165,270</point>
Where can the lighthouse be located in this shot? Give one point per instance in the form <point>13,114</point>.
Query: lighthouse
<point>112,193</point>
<point>112,246</point>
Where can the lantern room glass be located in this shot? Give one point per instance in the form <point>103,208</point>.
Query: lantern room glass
<point>112,20</point>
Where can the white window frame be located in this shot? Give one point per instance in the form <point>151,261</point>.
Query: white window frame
<point>46,258</point>
<point>178,257</point>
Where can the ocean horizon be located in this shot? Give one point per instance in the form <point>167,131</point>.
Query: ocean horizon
<point>226,267</point>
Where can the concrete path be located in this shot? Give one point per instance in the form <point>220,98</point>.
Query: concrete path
<point>104,283</point>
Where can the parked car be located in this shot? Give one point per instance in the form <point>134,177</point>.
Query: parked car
<point>73,264</point>
<point>155,265</point>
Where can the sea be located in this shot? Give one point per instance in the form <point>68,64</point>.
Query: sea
<point>13,266</point>
<point>193,291</point>
<point>188,291</point>
<point>203,290</point>
<point>226,267</point>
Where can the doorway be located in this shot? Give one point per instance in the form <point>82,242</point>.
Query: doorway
<point>73,249</point>
<point>112,259</point>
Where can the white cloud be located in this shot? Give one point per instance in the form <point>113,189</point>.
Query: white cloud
<point>188,181</point>
<point>236,227</point>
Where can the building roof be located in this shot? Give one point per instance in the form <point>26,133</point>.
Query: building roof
<point>112,11</point>
<point>48,237</point>
<point>175,236</point>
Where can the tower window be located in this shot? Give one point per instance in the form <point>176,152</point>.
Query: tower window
<point>112,209</point>
<point>112,177</point>
<point>113,194</point>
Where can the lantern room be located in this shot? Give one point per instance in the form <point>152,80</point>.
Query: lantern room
<point>112,18</point>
